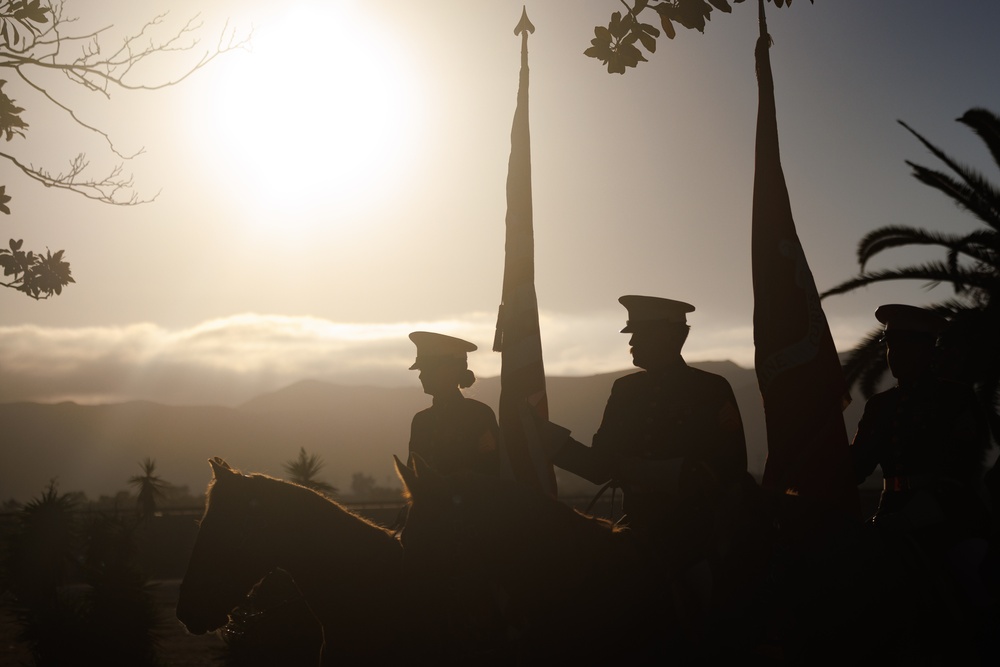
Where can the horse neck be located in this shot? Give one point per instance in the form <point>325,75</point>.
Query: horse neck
<point>326,547</point>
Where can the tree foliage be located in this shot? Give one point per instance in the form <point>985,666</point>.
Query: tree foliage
<point>626,39</point>
<point>970,265</point>
<point>37,275</point>
<point>38,39</point>
<point>304,470</point>
<point>150,487</point>
<point>113,621</point>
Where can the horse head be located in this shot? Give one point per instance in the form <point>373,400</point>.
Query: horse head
<point>231,553</point>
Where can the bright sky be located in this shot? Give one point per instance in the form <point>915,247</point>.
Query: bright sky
<point>342,184</point>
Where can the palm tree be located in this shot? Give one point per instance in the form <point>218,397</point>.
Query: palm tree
<point>971,265</point>
<point>304,471</point>
<point>151,488</point>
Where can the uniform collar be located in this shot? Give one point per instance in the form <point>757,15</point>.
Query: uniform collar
<point>674,368</point>
<point>448,398</point>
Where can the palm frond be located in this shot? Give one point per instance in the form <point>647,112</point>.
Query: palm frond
<point>970,346</point>
<point>894,236</point>
<point>975,195</point>
<point>979,250</point>
<point>986,125</point>
<point>933,273</point>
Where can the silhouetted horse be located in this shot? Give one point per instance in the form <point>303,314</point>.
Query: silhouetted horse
<point>565,585</point>
<point>802,586</point>
<point>348,569</point>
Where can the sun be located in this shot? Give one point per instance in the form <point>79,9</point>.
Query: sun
<point>321,112</point>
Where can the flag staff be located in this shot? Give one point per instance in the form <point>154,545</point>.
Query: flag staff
<point>798,369</point>
<point>518,339</point>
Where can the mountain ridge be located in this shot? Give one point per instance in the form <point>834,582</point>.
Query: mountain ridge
<point>353,428</point>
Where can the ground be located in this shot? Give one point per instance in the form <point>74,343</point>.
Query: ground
<point>177,647</point>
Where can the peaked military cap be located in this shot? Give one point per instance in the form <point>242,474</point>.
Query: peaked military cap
<point>644,309</point>
<point>433,347</point>
<point>902,317</point>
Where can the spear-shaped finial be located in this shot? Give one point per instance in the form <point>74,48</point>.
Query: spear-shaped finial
<point>524,24</point>
<point>524,27</point>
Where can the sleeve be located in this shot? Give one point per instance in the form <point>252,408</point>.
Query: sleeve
<point>488,442</point>
<point>728,456</point>
<point>413,446</point>
<point>606,439</point>
<point>970,436</point>
<point>416,444</point>
<point>719,455</point>
<point>596,463</point>
<point>864,447</point>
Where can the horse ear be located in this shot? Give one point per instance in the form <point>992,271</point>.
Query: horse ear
<point>220,467</point>
<point>407,475</point>
<point>425,470</point>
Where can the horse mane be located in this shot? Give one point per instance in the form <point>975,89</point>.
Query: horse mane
<point>284,497</point>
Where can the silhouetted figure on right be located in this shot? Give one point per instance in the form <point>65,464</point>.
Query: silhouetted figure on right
<point>929,436</point>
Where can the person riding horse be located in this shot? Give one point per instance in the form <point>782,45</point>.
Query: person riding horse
<point>672,438</point>
<point>456,433</point>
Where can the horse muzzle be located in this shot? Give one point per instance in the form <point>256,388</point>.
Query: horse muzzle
<point>197,616</point>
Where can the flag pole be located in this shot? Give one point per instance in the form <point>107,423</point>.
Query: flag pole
<point>798,369</point>
<point>523,396</point>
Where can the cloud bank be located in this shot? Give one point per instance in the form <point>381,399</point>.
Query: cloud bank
<point>230,360</point>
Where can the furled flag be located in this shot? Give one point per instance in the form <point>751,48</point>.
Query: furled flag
<point>798,370</point>
<point>518,339</point>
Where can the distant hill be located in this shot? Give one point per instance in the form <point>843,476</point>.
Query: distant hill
<point>95,449</point>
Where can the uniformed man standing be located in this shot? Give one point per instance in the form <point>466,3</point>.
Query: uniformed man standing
<point>456,433</point>
<point>929,435</point>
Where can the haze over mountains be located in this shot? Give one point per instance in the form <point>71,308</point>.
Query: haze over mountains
<point>96,448</point>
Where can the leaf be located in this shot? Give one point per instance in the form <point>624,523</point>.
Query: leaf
<point>600,51</point>
<point>4,198</point>
<point>16,245</point>
<point>648,42</point>
<point>631,56</point>
<point>618,27</point>
<point>721,5</point>
<point>35,12</point>
<point>668,27</point>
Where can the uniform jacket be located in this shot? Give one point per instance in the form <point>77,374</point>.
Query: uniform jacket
<point>930,436</point>
<point>456,434</point>
<point>929,428</point>
<point>678,413</point>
